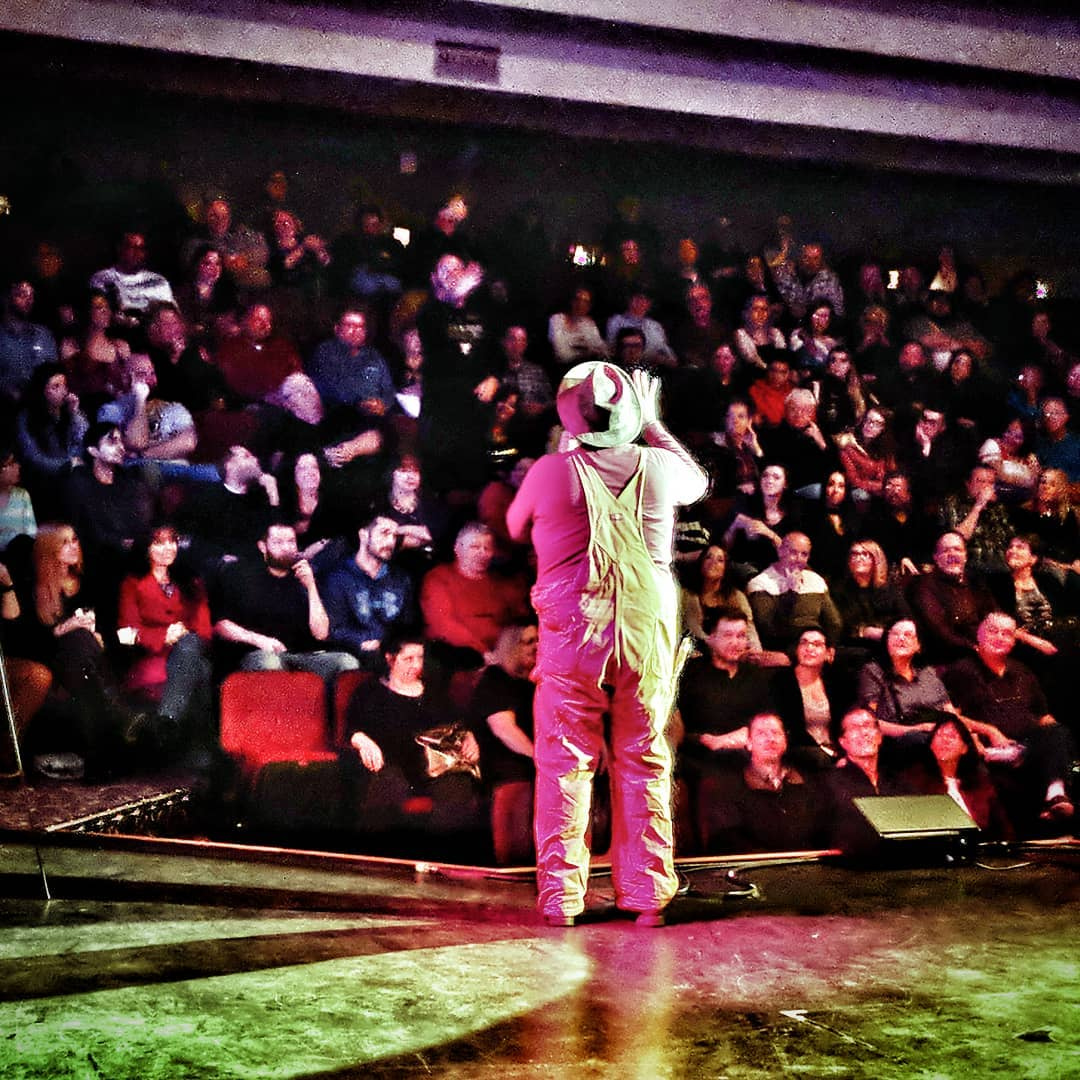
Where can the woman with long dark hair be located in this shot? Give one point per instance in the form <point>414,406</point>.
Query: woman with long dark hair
<point>163,615</point>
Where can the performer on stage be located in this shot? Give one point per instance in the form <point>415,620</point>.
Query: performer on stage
<point>601,517</point>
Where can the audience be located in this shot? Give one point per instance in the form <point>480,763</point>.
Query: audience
<point>886,435</point>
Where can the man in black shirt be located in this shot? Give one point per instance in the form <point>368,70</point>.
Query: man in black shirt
<point>268,616</point>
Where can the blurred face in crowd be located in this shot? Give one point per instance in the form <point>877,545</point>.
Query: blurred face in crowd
<point>167,327</point>
<point>820,318</point>
<point>306,473</point>
<point>351,329</point>
<point>950,554</point>
<point>728,641</point>
<point>766,739</point>
<point>778,374</point>
<point>773,481</point>
<point>758,312</point>
<point>1019,556</point>
<point>163,547</point>
<point>897,492</point>
<point>912,357</point>
<point>379,539</point>
<point>279,548</point>
<point>713,563</point>
<point>794,554</point>
<point>1055,417</point>
<point>21,299</point>
<point>811,259</point>
<point>812,650</point>
<point>699,303</point>
<point>132,256</point>
<point>996,636</point>
<point>873,424</point>
<point>981,482</point>
<point>407,664</point>
<point>218,218</point>
<point>474,551</point>
<point>860,735</point>
<point>581,303</point>
<point>835,489</point>
<point>902,640</point>
<point>56,391</point>
<point>258,322</point>
<point>1052,488</point>
<point>737,421</point>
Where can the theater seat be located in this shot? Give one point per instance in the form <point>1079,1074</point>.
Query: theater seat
<point>274,716</point>
<point>274,726</point>
<point>344,687</point>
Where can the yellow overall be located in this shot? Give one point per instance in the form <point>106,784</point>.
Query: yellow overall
<point>607,646</point>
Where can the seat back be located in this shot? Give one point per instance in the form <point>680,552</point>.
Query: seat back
<point>269,716</point>
<point>344,687</point>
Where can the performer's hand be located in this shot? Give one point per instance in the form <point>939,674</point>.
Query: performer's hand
<point>648,391</point>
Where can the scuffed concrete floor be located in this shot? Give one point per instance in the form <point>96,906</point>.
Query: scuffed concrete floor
<point>931,973</point>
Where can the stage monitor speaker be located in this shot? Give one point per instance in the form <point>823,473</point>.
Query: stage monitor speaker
<point>928,828</point>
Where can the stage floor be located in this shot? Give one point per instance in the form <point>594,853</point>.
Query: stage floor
<point>163,961</point>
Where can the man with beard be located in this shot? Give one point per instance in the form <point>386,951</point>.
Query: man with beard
<point>365,595</point>
<point>268,615</point>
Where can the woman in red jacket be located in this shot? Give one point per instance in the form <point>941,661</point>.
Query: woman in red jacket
<point>164,615</point>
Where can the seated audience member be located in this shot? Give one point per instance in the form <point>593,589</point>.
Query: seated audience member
<point>393,785</point>
<point>973,401</point>
<point>699,332</point>
<point>257,361</point>
<point>931,457</point>
<point>754,535</point>
<point>163,615</point>
<point>768,805</point>
<point>535,396</point>
<point>770,392</point>
<point>296,258</point>
<point>224,521</point>
<point>1057,447</point>
<point>718,694</point>
<point>1052,517</point>
<point>422,520</point>
<point>798,444</point>
<point>17,516</point>
<point>367,596</point>
<point>28,681</point>
<point>832,522</point>
<point>839,393</point>
<point>368,260</point>
<point>788,598</point>
<point>737,457</point>
<point>809,696</point>
<point>502,705</point>
<point>465,605</point>
<point>208,299</point>
<point>305,505</point>
<point>948,603</point>
<point>491,506</point>
<point>708,588</point>
<point>941,332</point>
<point>24,345</point>
<point>94,358</point>
<point>898,524</point>
<point>806,280</point>
<point>657,353</point>
<point>866,599</point>
<point>268,615</point>
<point>757,332</point>
<point>906,698</point>
<point>858,773</point>
<point>812,342</point>
<point>908,387</point>
<point>992,687</point>
<point>983,521</point>
<point>1016,468</point>
<point>867,455</point>
<point>573,334</point>
<point>1024,400</point>
<point>349,372</point>
<point>59,629</point>
<point>950,764</point>
<point>129,285</point>
<point>49,432</point>
<point>111,508</point>
<point>154,429</point>
<point>243,251</point>
<point>183,372</point>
